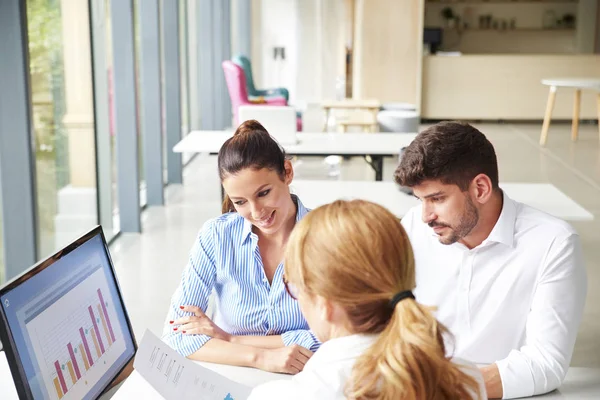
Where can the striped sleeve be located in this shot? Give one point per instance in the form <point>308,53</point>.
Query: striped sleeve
<point>197,282</point>
<point>301,337</point>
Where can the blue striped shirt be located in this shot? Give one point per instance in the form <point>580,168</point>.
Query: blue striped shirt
<point>225,258</point>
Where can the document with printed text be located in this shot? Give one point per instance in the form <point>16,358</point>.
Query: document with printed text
<point>176,377</point>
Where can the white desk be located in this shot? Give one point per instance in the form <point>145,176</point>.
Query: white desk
<point>9,392</point>
<point>580,383</point>
<point>543,196</point>
<point>251,377</point>
<point>371,105</point>
<point>375,145</point>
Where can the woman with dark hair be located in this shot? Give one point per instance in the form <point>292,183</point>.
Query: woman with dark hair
<point>238,256</point>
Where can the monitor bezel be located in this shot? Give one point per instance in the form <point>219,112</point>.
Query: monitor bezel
<point>6,335</point>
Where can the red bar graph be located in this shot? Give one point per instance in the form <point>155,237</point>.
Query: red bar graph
<point>61,378</point>
<point>74,361</point>
<point>112,335</point>
<point>71,360</point>
<point>96,329</point>
<point>86,347</point>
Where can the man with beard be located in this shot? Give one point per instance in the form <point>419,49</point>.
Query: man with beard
<point>507,280</point>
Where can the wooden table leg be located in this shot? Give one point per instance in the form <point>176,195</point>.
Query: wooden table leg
<point>375,126</point>
<point>548,115</point>
<point>575,123</point>
<point>326,124</point>
<point>598,101</point>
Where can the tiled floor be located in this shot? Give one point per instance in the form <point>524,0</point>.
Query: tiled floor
<point>149,265</point>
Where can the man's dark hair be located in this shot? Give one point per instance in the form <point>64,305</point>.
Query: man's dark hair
<point>451,152</point>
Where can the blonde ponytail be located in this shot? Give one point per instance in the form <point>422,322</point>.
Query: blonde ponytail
<point>408,362</point>
<point>358,255</point>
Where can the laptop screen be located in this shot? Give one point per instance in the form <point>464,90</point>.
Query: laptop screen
<point>64,325</point>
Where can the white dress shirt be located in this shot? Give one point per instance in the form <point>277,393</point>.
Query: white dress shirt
<point>326,373</point>
<point>515,300</point>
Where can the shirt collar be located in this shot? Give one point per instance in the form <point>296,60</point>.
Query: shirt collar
<point>343,348</point>
<point>300,213</point>
<point>504,230</point>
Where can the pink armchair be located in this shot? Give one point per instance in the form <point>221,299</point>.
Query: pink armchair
<point>238,93</point>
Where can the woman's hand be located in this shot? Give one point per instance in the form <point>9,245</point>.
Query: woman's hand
<point>287,360</point>
<point>198,324</point>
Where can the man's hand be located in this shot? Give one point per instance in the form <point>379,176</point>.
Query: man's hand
<point>198,324</point>
<point>493,382</point>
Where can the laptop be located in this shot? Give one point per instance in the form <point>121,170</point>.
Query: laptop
<point>279,121</point>
<point>64,326</point>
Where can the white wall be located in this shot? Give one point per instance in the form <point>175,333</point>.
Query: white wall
<point>312,32</point>
<point>276,27</point>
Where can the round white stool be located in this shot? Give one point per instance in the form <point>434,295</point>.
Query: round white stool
<point>578,84</point>
<point>398,106</point>
<point>402,121</point>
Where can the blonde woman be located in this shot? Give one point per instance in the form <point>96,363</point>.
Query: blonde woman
<point>350,266</point>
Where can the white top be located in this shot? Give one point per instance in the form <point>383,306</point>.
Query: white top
<point>351,103</point>
<point>516,300</point>
<point>543,196</point>
<point>308,143</point>
<point>582,83</point>
<point>326,373</point>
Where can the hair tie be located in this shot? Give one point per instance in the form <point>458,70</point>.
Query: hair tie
<point>398,297</point>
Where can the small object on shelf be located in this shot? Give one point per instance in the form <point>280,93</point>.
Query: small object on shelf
<point>549,19</point>
<point>468,17</point>
<point>568,21</point>
<point>513,23</point>
<point>485,21</point>
<point>449,16</point>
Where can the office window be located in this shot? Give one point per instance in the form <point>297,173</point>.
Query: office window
<point>105,124</point>
<point>63,120</point>
<point>183,57</point>
<point>138,93</point>
<point>2,270</point>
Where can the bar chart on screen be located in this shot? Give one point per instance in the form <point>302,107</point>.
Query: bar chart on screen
<point>76,338</point>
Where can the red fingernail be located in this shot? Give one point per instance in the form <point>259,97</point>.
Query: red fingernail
<point>183,331</point>
<point>181,307</point>
<point>171,322</point>
<point>174,329</point>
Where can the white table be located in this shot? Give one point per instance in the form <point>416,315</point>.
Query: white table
<point>371,105</point>
<point>251,377</point>
<point>9,392</point>
<point>543,196</point>
<point>580,383</point>
<point>375,145</point>
<point>578,84</point>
